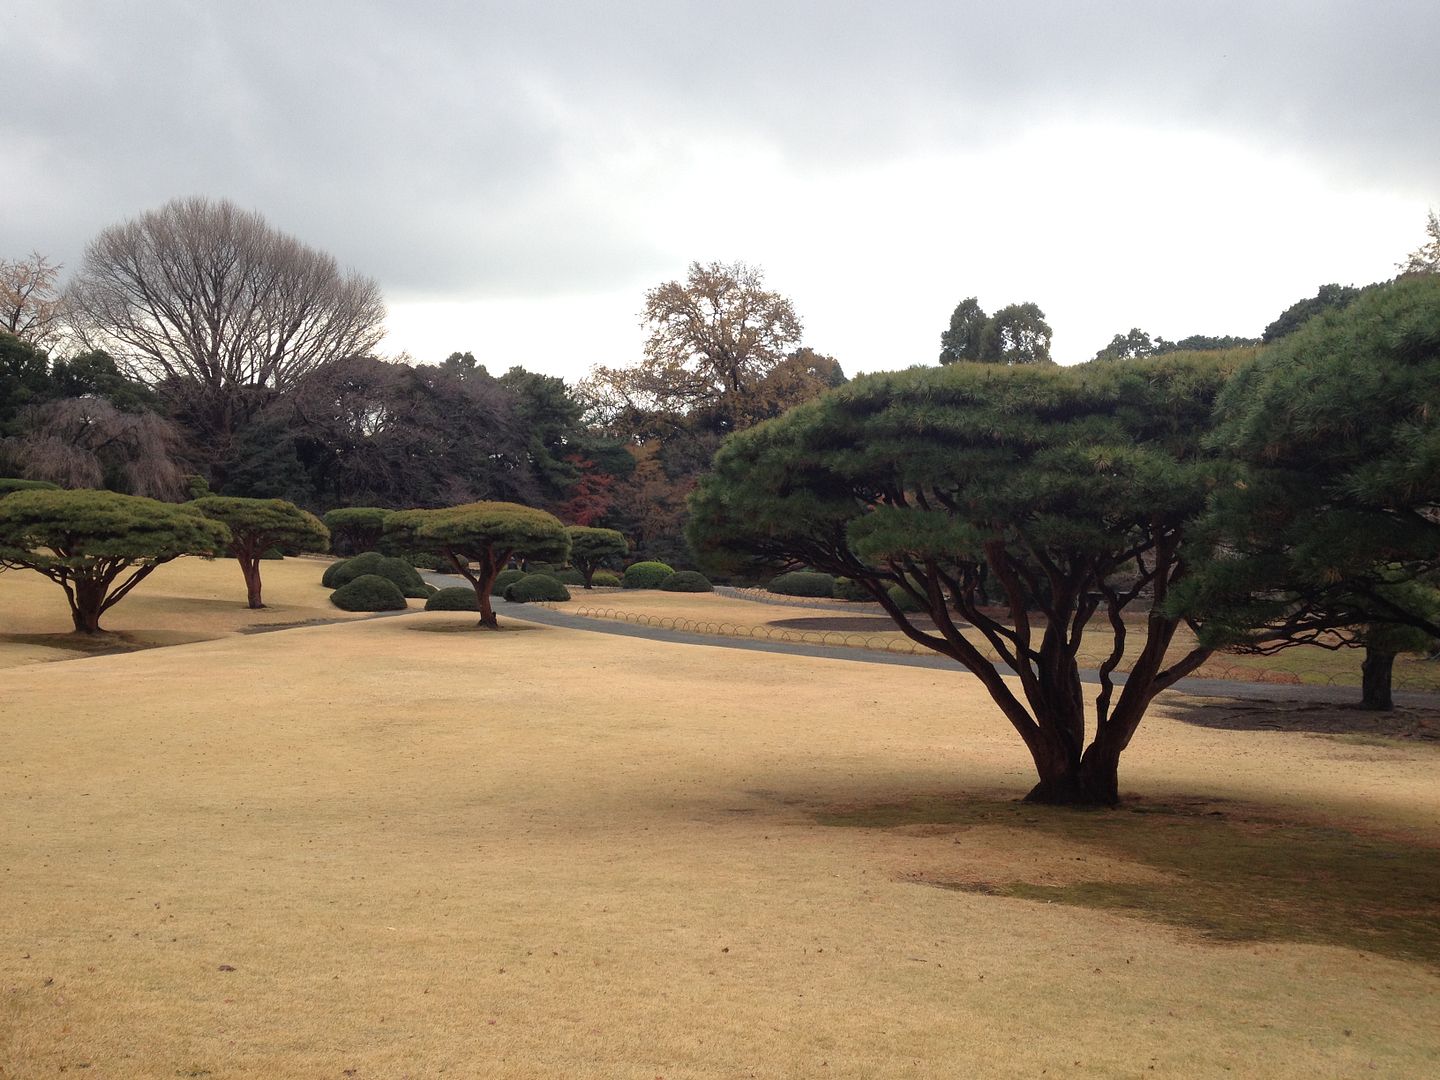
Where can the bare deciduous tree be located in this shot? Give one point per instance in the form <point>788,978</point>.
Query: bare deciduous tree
<point>30,299</point>
<point>218,310</point>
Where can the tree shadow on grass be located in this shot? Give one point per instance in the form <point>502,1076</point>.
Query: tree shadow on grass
<point>105,643</point>
<point>1231,874</point>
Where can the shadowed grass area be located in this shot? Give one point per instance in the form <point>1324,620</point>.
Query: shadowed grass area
<point>1229,873</point>
<point>102,644</point>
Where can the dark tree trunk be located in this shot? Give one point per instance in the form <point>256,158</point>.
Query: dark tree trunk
<point>1093,781</point>
<point>250,567</point>
<point>86,605</point>
<point>1375,680</point>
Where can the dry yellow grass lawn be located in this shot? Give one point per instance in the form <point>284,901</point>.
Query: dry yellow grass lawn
<point>182,601</point>
<point>400,848</point>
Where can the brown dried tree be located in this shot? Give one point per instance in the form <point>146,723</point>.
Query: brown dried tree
<point>30,298</point>
<point>218,310</point>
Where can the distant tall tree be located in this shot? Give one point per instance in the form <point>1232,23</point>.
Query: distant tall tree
<point>219,311</point>
<point>1137,343</point>
<point>1129,346</point>
<point>24,379</point>
<point>962,339</point>
<point>1426,258</point>
<point>1330,297</point>
<point>712,339</point>
<point>30,303</point>
<point>373,432</point>
<point>1016,334</point>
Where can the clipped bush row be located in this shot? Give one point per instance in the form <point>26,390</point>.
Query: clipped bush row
<point>810,583</point>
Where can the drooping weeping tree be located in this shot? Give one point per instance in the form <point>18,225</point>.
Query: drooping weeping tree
<point>99,545</point>
<point>1070,488</point>
<point>485,534</point>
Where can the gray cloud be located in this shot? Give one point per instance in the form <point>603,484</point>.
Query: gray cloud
<point>448,147</point>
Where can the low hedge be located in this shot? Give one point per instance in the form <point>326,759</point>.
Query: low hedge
<point>504,580</point>
<point>568,576</point>
<point>803,583</point>
<point>533,588</point>
<point>645,575</point>
<point>454,598</point>
<point>845,589</point>
<point>903,600</point>
<point>605,579</point>
<point>369,592</point>
<point>687,581</point>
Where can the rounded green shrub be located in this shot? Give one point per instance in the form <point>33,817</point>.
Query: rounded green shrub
<point>645,575</point>
<point>433,563</point>
<point>369,592</point>
<point>328,578</point>
<point>272,554</point>
<point>903,600</point>
<point>569,576</point>
<point>504,580</point>
<point>405,576</point>
<point>347,570</point>
<point>845,589</point>
<point>533,588</point>
<point>606,579</point>
<point>454,598</point>
<point>687,581</point>
<point>803,583</point>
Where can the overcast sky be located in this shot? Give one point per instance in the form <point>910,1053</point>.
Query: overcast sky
<point>517,175</point>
